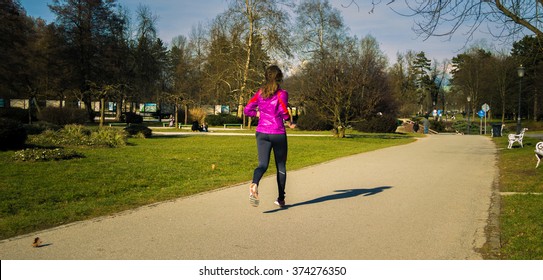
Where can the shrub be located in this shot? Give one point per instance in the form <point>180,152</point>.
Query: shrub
<point>438,126</point>
<point>313,122</point>
<point>139,135</point>
<point>462,126</point>
<point>108,137</point>
<point>78,135</point>
<point>39,127</point>
<point>16,114</point>
<point>130,117</point>
<point>48,138</point>
<point>221,119</point>
<point>70,135</point>
<point>133,130</point>
<point>378,124</point>
<point>45,154</point>
<point>197,114</point>
<point>12,134</point>
<point>63,116</point>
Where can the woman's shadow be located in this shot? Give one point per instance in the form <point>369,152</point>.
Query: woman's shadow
<point>339,194</point>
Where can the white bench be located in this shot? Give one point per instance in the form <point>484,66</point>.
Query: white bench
<point>538,152</point>
<point>516,138</point>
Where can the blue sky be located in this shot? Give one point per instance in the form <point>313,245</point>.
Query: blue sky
<point>392,31</point>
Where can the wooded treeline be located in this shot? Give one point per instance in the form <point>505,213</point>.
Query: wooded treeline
<point>96,51</point>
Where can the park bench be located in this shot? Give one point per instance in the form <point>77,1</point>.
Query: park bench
<point>119,124</point>
<point>516,138</point>
<point>179,125</point>
<point>233,124</point>
<point>538,152</point>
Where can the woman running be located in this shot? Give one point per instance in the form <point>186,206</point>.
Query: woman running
<point>269,104</point>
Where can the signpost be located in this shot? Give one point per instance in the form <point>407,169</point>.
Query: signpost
<point>485,108</point>
<point>481,114</point>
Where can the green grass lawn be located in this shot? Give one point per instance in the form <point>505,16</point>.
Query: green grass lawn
<point>521,219</point>
<point>41,195</point>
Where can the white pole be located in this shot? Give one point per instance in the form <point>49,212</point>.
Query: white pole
<point>485,122</point>
<point>481,127</point>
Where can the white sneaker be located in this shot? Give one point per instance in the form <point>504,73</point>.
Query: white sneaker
<point>253,195</point>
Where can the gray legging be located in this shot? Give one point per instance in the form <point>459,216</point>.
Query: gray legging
<point>265,143</point>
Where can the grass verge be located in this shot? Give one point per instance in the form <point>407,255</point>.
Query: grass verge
<point>521,222</point>
<point>41,195</point>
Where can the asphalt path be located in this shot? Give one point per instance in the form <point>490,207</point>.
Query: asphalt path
<point>428,200</point>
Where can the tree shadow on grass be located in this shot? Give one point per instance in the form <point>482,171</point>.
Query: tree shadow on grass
<point>339,194</point>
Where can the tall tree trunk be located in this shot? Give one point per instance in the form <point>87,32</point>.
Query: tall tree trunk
<point>88,107</point>
<point>102,111</point>
<point>536,105</point>
<point>186,113</point>
<point>176,119</point>
<point>251,19</point>
<point>118,111</point>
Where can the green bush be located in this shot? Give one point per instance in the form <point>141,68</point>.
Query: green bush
<point>378,124</point>
<point>78,135</point>
<point>63,116</point>
<point>462,127</point>
<point>40,154</point>
<point>17,114</point>
<point>39,127</point>
<point>108,137</point>
<point>136,129</point>
<point>313,122</point>
<point>75,135</point>
<point>221,119</point>
<point>12,134</point>
<point>70,137</point>
<point>438,126</point>
<point>130,117</point>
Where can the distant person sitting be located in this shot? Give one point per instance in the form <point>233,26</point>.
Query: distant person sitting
<point>195,126</point>
<point>416,127</point>
<point>172,120</point>
<point>204,127</point>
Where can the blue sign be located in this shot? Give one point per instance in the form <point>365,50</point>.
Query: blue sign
<point>481,113</point>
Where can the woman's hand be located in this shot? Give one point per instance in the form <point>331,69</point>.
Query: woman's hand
<point>291,125</point>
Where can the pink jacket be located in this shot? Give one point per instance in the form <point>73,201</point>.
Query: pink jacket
<point>273,111</point>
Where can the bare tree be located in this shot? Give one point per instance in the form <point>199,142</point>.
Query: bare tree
<point>469,74</point>
<point>319,29</point>
<point>88,27</point>
<point>512,18</point>
<point>403,83</point>
<point>501,68</point>
<point>185,84</point>
<point>223,68</point>
<point>264,24</point>
<point>350,87</point>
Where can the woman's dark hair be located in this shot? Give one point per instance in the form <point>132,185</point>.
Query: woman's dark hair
<point>274,77</point>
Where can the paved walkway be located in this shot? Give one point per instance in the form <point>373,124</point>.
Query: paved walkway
<point>425,200</point>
